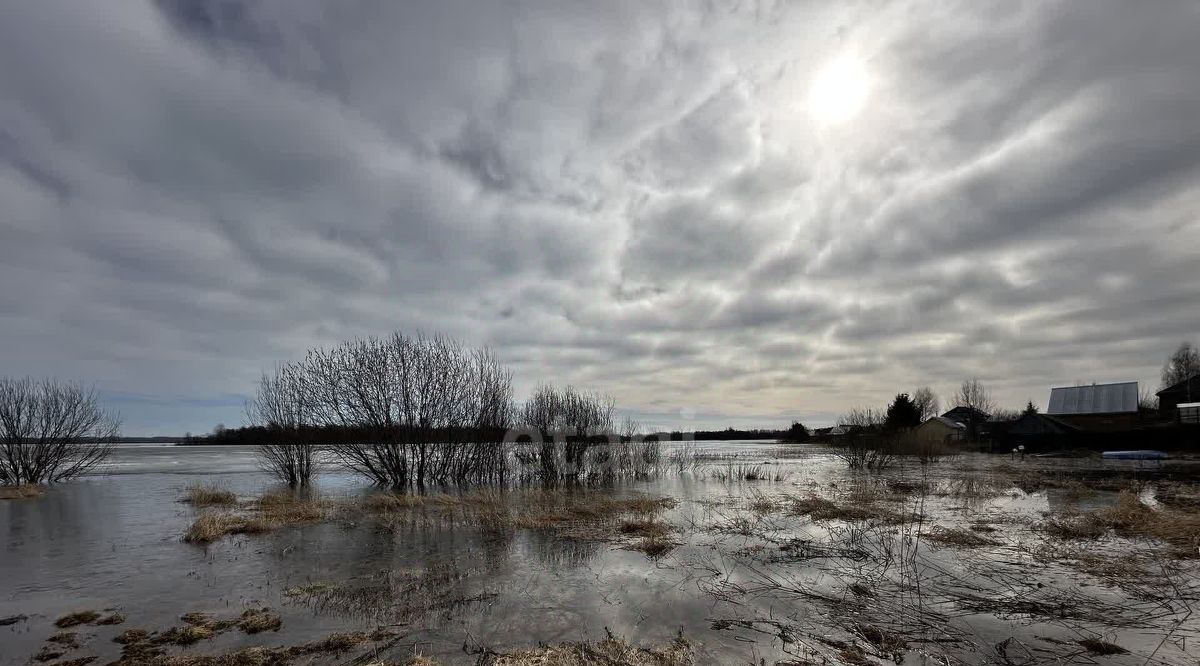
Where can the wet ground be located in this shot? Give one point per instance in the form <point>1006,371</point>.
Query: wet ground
<point>751,577</point>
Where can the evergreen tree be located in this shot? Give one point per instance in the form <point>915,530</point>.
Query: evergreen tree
<point>902,413</point>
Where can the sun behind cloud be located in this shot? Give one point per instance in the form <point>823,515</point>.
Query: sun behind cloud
<point>839,90</point>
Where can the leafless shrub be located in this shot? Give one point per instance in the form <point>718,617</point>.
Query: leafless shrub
<point>51,431</point>
<point>872,452</point>
<point>399,410</point>
<point>282,404</point>
<point>569,421</point>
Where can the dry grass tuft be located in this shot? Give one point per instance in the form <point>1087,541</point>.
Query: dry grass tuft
<point>644,528</point>
<point>308,590</point>
<point>77,618</point>
<point>1100,647</point>
<point>24,491</point>
<point>256,620</point>
<point>78,661</point>
<point>1130,517</point>
<point>271,513</point>
<point>860,590</point>
<point>202,496</point>
<point>820,508</point>
<point>334,643</point>
<point>883,640</point>
<point>389,502</point>
<point>49,653</point>
<point>611,650</point>
<point>185,635</point>
<point>958,538</point>
<point>763,505</point>
<point>131,636</point>
<point>654,546</point>
<point>111,620</point>
<point>67,638</point>
<point>210,526</point>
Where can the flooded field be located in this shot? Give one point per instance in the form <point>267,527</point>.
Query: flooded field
<point>755,553</point>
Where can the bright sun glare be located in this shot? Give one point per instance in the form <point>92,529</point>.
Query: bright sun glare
<point>838,91</point>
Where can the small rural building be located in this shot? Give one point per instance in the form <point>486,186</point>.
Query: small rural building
<point>973,419</point>
<point>965,415</point>
<point>939,430</point>
<point>1096,407</point>
<point>1188,412</point>
<point>1171,397</point>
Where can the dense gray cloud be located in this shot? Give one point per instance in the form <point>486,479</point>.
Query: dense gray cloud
<point>633,197</point>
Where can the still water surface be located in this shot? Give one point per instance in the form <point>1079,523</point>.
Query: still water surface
<point>112,541</point>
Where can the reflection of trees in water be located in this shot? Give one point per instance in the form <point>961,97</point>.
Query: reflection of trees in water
<point>436,592</point>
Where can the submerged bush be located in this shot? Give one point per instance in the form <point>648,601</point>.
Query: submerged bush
<point>51,431</point>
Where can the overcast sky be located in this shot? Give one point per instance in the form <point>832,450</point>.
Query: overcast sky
<point>721,213</point>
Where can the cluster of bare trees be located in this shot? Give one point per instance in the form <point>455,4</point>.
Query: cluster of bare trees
<point>51,431</point>
<point>400,410</point>
<point>566,422</point>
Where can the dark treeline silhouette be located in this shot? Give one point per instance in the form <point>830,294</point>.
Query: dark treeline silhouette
<point>255,435</point>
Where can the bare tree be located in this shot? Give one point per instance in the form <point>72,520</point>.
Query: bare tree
<point>569,420</point>
<point>1005,414</point>
<point>51,431</point>
<point>1147,401</point>
<point>974,396</point>
<point>927,402</point>
<point>1181,365</point>
<point>398,410</point>
<point>283,407</point>
<point>862,417</point>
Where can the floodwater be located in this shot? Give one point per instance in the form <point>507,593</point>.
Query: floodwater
<point>744,585</point>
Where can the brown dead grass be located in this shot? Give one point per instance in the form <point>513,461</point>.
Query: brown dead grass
<point>820,508</point>
<point>202,496</point>
<point>390,502</point>
<point>571,513</point>
<point>67,638</point>
<point>50,653</point>
<point>130,636</point>
<point>887,642</point>
<point>608,652</point>
<point>78,661</point>
<point>644,528</point>
<point>1130,517</point>
<point>24,491</point>
<point>185,635</point>
<point>1101,647</point>
<point>77,618</point>
<point>958,538</point>
<point>257,620</point>
<point>654,546</point>
<point>146,650</point>
<point>266,514</point>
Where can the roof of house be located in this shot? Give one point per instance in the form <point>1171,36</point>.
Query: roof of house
<point>949,423</point>
<point>1040,424</point>
<point>1181,387</point>
<point>960,413</point>
<point>1094,399</point>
